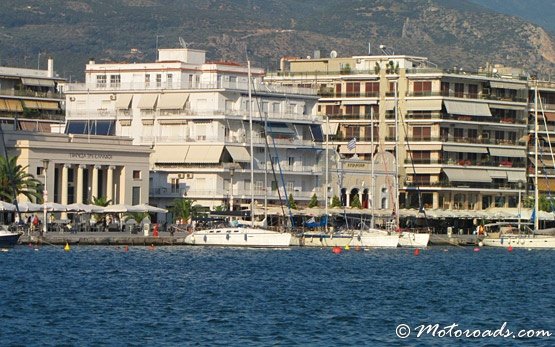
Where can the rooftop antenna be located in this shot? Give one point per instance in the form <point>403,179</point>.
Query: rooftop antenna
<point>182,42</point>
<point>387,50</point>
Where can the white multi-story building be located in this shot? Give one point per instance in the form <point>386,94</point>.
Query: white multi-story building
<point>195,115</point>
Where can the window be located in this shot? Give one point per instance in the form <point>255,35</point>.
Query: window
<point>458,133</point>
<point>259,186</point>
<point>92,127</point>
<point>333,110</point>
<point>422,88</point>
<point>136,174</point>
<point>499,135</point>
<point>101,81</point>
<point>175,185</point>
<point>338,89</point>
<point>136,195</point>
<point>352,131</point>
<point>169,80</point>
<point>472,133</point>
<point>352,110</point>
<point>274,186</point>
<point>352,89</point>
<point>444,88</point>
<point>147,80</point>
<point>459,90</point>
<point>421,156</point>
<point>275,107</point>
<point>421,180</point>
<point>473,90</point>
<point>115,81</point>
<point>422,133</point>
<point>158,80</point>
<point>372,88</point>
<point>291,161</point>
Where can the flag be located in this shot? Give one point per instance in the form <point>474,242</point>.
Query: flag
<point>352,144</point>
<point>533,216</point>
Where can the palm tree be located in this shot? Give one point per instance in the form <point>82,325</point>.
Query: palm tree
<point>15,181</point>
<point>101,201</point>
<point>183,209</point>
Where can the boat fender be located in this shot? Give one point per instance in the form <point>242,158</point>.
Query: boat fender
<point>227,236</point>
<point>245,237</point>
<point>321,239</point>
<point>358,237</point>
<point>501,240</point>
<point>205,238</point>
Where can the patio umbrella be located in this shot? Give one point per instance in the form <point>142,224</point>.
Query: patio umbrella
<point>119,208</point>
<point>147,208</point>
<point>6,206</point>
<point>54,207</point>
<point>80,207</point>
<point>29,207</point>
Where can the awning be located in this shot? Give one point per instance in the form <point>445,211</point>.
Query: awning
<point>515,176</point>
<point>10,105</point>
<point>317,133</point>
<point>204,154</point>
<point>424,170</point>
<point>276,128</point>
<point>467,108</point>
<point>424,105</point>
<point>37,82</point>
<point>170,154</point>
<point>33,104</point>
<point>239,154</point>
<point>147,101</point>
<point>499,174</point>
<point>550,116</point>
<point>359,102</point>
<point>330,128</point>
<point>35,126</point>
<point>467,175</point>
<point>507,152</point>
<point>173,101</point>
<point>465,149</point>
<point>508,107</point>
<point>48,105</point>
<point>507,85</point>
<point>389,105</point>
<point>123,101</point>
<point>546,184</point>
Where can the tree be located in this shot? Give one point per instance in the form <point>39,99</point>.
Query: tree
<point>292,203</point>
<point>356,202</point>
<point>15,181</point>
<point>183,208</point>
<point>101,201</point>
<point>335,202</point>
<point>313,201</point>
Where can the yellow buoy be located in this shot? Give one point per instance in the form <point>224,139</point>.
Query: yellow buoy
<point>347,247</point>
<point>66,248</point>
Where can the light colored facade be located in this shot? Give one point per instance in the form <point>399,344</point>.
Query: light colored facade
<point>195,116</point>
<point>460,136</point>
<point>80,167</point>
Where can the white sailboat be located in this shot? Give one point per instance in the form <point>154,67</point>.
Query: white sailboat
<point>241,236</point>
<point>536,238</point>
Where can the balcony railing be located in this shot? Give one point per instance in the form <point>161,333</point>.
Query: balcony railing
<point>468,162</point>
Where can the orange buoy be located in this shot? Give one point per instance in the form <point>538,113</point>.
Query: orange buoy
<point>155,230</point>
<point>416,251</point>
<point>510,248</point>
<point>476,249</point>
<point>336,250</point>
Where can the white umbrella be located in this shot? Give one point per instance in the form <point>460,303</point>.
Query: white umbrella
<point>119,208</point>
<point>54,207</point>
<point>29,207</point>
<point>147,208</point>
<point>6,206</point>
<point>80,207</point>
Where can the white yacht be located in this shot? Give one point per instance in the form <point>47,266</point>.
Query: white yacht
<point>413,239</point>
<point>375,238</point>
<point>239,237</point>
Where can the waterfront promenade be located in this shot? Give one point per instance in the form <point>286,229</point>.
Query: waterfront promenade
<point>105,238</point>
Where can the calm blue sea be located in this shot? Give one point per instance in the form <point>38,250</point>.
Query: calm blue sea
<point>179,296</point>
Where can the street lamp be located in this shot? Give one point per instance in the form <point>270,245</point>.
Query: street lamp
<point>45,163</point>
<point>231,173</point>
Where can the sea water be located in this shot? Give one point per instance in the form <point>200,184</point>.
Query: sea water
<point>179,296</point>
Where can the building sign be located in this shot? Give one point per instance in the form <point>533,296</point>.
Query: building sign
<point>90,156</point>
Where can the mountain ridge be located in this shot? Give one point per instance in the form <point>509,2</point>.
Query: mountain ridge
<point>448,32</point>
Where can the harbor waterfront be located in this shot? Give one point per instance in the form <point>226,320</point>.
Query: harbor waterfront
<point>168,296</point>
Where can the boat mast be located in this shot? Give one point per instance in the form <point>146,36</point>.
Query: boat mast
<point>372,178</point>
<point>536,141</point>
<point>251,142</point>
<point>396,180</point>
<point>326,197</point>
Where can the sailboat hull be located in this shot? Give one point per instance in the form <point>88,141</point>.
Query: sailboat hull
<point>377,239</point>
<point>239,237</point>
<point>520,241</point>
<point>324,240</point>
<point>412,239</point>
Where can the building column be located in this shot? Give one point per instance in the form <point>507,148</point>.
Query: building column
<point>65,183</point>
<point>79,185</point>
<point>110,183</point>
<point>435,200</point>
<point>94,183</point>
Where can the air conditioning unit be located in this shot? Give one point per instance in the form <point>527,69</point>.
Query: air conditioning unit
<point>71,98</point>
<point>181,175</point>
<point>113,97</point>
<point>189,175</point>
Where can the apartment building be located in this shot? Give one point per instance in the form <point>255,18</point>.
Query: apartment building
<point>460,137</point>
<point>199,118</point>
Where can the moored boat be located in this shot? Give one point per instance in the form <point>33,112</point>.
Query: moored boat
<point>8,238</point>
<point>239,237</point>
<point>375,238</point>
<point>413,239</point>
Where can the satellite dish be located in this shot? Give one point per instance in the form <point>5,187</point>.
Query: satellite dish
<point>333,54</point>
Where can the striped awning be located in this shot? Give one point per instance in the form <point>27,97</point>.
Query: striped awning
<point>467,108</point>
<point>11,105</point>
<point>467,175</point>
<point>465,149</point>
<point>173,101</point>
<point>507,152</point>
<point>204,154</point>
<point>239,154</point>
<point>123,102</point>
